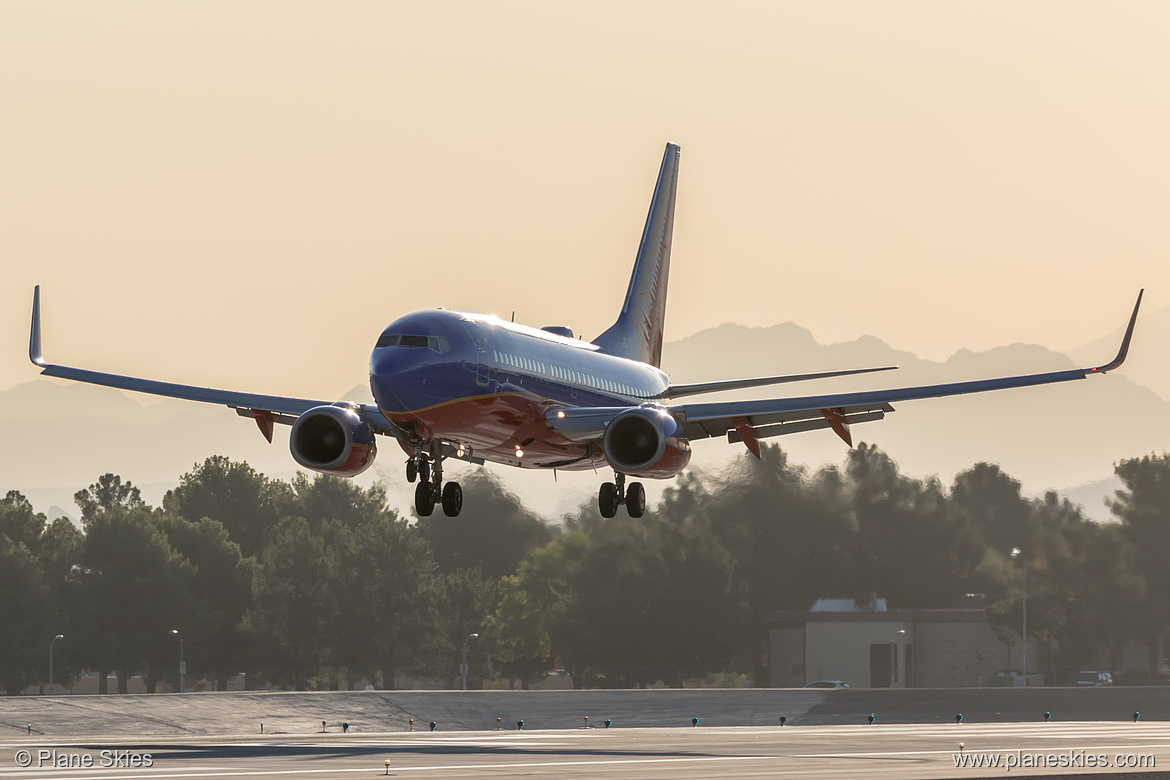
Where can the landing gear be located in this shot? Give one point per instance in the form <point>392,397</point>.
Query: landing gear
<point>607,499</point>
<point>429,492</point>
<point>613,494</point>
<point>424,499</point>
<point>452,499</point>
<point>636,499</point>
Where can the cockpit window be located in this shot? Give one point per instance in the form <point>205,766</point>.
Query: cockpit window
<point>438,344</point>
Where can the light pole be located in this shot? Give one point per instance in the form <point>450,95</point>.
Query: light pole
<point>893,657</point>
<point>463,666</point>
<point>1017,553</point>
<point>182,663</point>
<point>59,636</point>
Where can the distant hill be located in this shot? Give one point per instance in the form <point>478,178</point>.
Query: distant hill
<point>61,436</point>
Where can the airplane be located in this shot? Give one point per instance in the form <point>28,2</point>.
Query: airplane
<point>472,387</point>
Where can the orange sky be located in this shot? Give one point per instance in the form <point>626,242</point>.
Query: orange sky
<point>243,194</point>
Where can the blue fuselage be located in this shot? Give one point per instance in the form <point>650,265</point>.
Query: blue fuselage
<point>483,384</point>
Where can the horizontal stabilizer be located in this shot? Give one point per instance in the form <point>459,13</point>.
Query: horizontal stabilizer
<point>677,391</point>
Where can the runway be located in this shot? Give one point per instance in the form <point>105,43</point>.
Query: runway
<point>884,751</point>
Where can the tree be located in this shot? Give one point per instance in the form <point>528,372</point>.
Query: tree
<point>107,493</point>
<point>292,603</point>
<point>134,587</point>
<point>493,533</point>
<point>222,583</point>
<point>245,502</point>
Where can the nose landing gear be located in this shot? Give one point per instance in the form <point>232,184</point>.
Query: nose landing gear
<point>428,491</point>
<point>613,494</point>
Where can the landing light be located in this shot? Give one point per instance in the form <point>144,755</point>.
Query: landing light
<point>561,415</point>
<point>460,452</point>
<point>519,453</point>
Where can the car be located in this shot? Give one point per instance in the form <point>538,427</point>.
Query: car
<point>1085,679</point>
<point>827,684</point>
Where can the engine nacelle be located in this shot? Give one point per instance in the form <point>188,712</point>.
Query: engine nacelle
<point>333,439</point>
<point>646,442</point>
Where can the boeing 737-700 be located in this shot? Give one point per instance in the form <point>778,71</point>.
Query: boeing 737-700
<point>449,384</point>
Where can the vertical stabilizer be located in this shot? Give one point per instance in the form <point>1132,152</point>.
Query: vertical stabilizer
<point>637,334</point>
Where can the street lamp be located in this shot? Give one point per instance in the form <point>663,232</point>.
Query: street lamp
<point>1017,553</point>
<point>182,663</point>
<point>893,658</point>
<point>463,666</point>
<point>59,636</point>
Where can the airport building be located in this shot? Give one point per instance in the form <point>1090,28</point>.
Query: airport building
<point>861,642</point>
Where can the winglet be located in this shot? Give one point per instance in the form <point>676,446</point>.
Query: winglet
<point>34,339</point>
<point>1121,353</point>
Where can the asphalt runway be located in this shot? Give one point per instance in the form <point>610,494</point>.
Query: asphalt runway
<point>881,751</point>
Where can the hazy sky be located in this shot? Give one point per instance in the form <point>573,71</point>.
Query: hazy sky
<point>244,194</point>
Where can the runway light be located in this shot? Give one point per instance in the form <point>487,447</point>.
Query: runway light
<point>345,727</point>
<point>694,721</point>
<point>1136,716</point>
<point>1047,716</point>
<point>30,728</point>
<point>586,721</point>
<point>958,718</point>
<point>783,720</point>
<point>322,727</point>
<point>412,724</point>
<point>519,725</point>
<point>387,767</point>
<point>608,722</point>
<point>961,747</point>
<point>434,725</point>
<point>497,724</point>
<point>261,727</point>
<point>872,718</point>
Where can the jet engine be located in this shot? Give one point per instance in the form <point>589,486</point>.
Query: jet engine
<point>333,439</point>
<point>646,442</point>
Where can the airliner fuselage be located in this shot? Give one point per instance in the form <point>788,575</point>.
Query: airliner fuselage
<point>486,386</point>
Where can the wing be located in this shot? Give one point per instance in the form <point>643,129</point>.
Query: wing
<point>749,421</point>
<point>265,408</point>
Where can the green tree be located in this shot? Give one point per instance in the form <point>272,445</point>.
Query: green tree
<point>245,502</point>
<point>222,583</point>
<point>493,533</point>
<point>291,614</point>
<point>107,493</point>
<point>134,587</point>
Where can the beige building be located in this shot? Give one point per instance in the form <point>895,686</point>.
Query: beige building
<point>864,644</point>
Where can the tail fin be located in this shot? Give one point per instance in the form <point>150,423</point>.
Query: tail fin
<point>637,334</point>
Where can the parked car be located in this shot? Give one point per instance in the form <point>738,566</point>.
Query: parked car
<point>827,684</point>
<point>1094,678</point>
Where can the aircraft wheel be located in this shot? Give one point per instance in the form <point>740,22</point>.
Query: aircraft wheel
<point>424,499</point>
<point>452,499</point>
<point>411,470</point>
<point>636,499</point>
<point>607,499</point>
<point>424,470</point>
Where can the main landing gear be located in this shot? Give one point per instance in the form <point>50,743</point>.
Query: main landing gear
<point>613,494</point>
<point>430,489</point>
